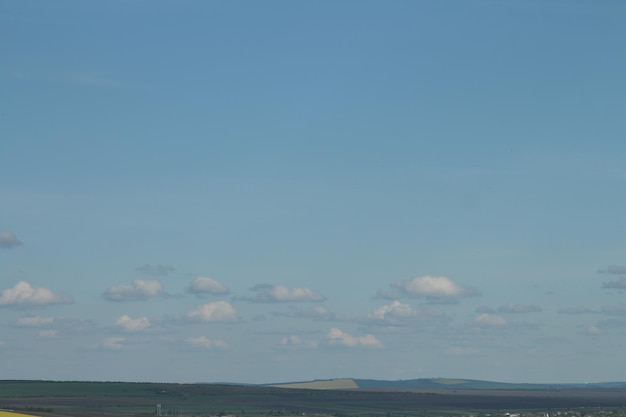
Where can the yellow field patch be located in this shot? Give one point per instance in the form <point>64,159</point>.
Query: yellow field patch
<point>12,414</point>
<point>327,384</point>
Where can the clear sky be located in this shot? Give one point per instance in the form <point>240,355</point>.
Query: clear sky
<point>266,191</point>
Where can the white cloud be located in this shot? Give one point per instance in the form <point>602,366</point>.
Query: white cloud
<point>431,287</point>
<point>113,343</point>
<point>132,325</point>
<point>399,313</point>
<point>48,334</point>
<point>207,343</point>
<point>23,294</point>
<point>139,290</point>
<point>8,240</point>
<point>34,321</point>
<point>206,285</point>
<point>337,337</point>
<point>217,312</point>
<point>297,341</point>
<point>283,294</point>
<point>314,312</point>
<point>488,320</point>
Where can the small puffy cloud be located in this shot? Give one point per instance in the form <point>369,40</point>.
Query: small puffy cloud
<point>519,308</point>
<point>48,334</point>
<point>283,294</point>
<point>441,288</point>
<point>620,284</point>
<point>614,269</point>
<point>297,341</point>
<point>23,294</point>
<point>8,240</point>
<point>338,338</point>
<point>206,285</point>
<point>157,269</point>
<point>488,320</point>
<point>217,312</point>
<point>112,343</point>
<point>139,290</point>
<point>132,325</point>
<point>398,313</point>
<point>34,321</point>
<point>206,343</point>
<point>314,312</point>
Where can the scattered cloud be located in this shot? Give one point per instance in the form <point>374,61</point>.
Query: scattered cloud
<point>131,325</point>
<point>48,334</point>
<point>621,284</point>
<point>206,343</point>
<point>297,341</point>
<point>336,337</point>
<point>217,312</point>
<point>314,312</point>
<point>206,285</point>
<point>112,343</point>
<point>594,330</point>
<point>577,310</point>
<point>23,294</point>
<point>461,351</point>
<point>283,294</point>
<point>614,310</point>
<point>614,269</point>
<point>434,288</point>
<point>8,240</point>
<point>397,313</point>
<point>139,290</point>
<point>34,321</point>
<point>519,308</point>
<point>488,320</point>
<point>157,269</point>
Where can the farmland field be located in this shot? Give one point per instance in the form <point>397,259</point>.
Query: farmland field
<point>86,399</point>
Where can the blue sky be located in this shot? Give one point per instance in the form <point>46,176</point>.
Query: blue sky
<point>275,191</point>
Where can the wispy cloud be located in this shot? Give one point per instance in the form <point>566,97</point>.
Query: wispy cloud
<point>519,308</point>
<point>112,343</point>
<point>577,310</point>
<point>206,285</point>
<point>488,320</point>
<point>139,290</point>
<point>314,312</point>
<point>8,240</point>
<point>283,294</point>
<point>23,294</point>
<point>206,343</point>
<point>618,285</point>
<point>614,269</point>
<point>157,269</point>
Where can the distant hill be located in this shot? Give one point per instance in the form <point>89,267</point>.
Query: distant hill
<point>443,384</point>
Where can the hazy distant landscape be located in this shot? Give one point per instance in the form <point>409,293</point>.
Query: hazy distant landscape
<point>338,397</point>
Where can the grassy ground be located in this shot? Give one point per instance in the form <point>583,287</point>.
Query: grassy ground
<point>101,399</point>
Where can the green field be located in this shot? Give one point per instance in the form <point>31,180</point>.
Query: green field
<point>121,399</point>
